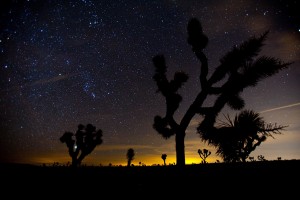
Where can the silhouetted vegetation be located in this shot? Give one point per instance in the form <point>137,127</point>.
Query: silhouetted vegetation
<point>237,71</point>
<point>236,139</point>
<point>204,154</point>
<point>82,143</point>
<point>164,157</point>
<point>261,158</point>
<point>278,158</point>
<point>130,156</point>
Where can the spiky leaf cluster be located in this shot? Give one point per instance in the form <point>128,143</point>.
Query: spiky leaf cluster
<point>196,38</point>
<point>236,139</point>
<point>243,70</point>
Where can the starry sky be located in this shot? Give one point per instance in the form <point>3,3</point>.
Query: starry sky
<point>64,63</point>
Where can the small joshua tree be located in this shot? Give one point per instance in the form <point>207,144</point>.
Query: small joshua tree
<point>278,158</point>
<point>203,154</point>
<point>130,156</point>
<point>164,157</point>
<point>82,143</point>
<point>261,158</point>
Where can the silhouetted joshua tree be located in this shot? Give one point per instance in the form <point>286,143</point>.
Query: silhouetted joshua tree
<point>164,157</point>
<point>261,158</point>
<point>82,143</point>
<point>237,71</point>
<point>204,154</point>
<point>130,156</point>
<point>236,139</point>
<point>278,158</point>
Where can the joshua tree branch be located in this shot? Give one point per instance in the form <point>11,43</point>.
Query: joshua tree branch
<point>204,69</point>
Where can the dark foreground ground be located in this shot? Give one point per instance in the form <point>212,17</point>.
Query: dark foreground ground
<point>251,180</point>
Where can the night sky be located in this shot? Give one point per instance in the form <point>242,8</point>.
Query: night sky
<point>64,63</point>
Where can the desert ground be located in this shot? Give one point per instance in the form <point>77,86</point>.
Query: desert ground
<point>218,180</point>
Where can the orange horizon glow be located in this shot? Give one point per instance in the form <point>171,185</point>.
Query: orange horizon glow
<point>92,160</point>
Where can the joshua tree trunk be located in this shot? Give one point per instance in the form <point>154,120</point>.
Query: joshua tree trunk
<point>74,161</point>
<point>180,151</point>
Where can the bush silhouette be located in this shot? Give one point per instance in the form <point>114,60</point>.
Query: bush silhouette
<point>237,71</point>
<point>236,139</point>
<point>82,143</point>
<point>204,154</point>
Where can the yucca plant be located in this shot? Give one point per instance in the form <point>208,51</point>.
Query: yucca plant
<point>236,139</point>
